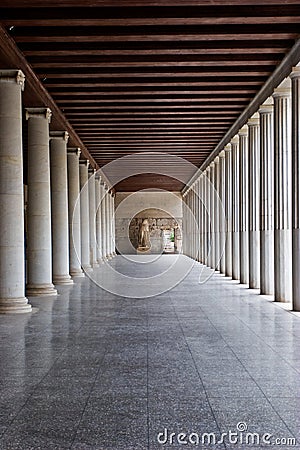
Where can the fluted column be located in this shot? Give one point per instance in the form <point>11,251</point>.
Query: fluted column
<point>59,206</point>
<point>235,209</point>
<point>207,215</point>
<point>254,193</point>
<point>74,212</point>
<point>84,215</point>
<point>103,221</point>
<point>222,194</point>
<point>98,219</point>
<point>113,225</point>
<point>39,242</point>
<point>217,213</point>
<point>12,273</point>
<point>295,76</point>
<point>282,199</point>
<point>108,225</point>
<point>198,205</point>
<point>212,209</point>
<point>92,218</point>
<point>228,210</point>
<point>243,205</point>
<point>201,219</point>
<point>266,112</point>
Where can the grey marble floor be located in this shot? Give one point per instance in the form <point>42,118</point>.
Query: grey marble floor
<point>90,370</point>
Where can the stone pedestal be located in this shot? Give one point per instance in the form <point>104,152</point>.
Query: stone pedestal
<point>59,202</point>
<point>74,212</point>
<point>39,243</point>
<point>12,276</point>
<point>84,216</point>
<point>266,197</point>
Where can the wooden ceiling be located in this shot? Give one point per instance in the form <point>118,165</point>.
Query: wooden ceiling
<point>152,76</point>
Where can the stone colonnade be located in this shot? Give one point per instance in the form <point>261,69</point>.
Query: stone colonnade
<point>255,238</point>
<point>69,212</point>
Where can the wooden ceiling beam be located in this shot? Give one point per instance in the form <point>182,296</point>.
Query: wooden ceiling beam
<point>179,37</point>
<point>157,52</point>
<point>157,21</point>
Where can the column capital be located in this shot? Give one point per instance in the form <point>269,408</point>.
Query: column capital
<point>243,131</point>
<point>295,72</point>
<point>284,89</point>
<point>227,147</point>
<point>235,140</point>
<point>84,162</point>
<point>13,76</point>
<point>74,150</point>
<point>40,113</point>
<point>222,154</point>
<point>64,135</point>
<point>91,170</point>
<point>217,160</point>
<point>212,165</point>
<point>254,120</point>
<point>267,107</point>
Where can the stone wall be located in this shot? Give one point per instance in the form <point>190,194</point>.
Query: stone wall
<point>163,211</point>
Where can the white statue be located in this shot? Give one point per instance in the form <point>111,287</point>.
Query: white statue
<point>144,236</point>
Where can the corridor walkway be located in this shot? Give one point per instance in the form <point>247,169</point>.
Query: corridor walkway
<point>93,371</point>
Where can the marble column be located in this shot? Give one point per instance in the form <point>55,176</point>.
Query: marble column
<point>217,213</point>
<point>98,219</point>
<point>228,210</point>
<point>92,218</point>
<point>266,112</point>
<point>207,216</point>
<point>222,194</point>
<point>211,215</point>
<point>113,225</point>
<point>198,204</point>
<point>243,205</point>
<point>103,221</point>
<point>12,263</point>
<point>295,76</point>
<point>235,209</point>
<point>59,207</point>
<point>108,225</point>
<point>201,217</point>
<point>84,216</point>
<point>39,242</point>
<point>283,193</point>
<point>74,212</point>
<point>254,195</point>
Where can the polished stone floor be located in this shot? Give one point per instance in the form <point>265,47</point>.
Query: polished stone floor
<point>90,370</point>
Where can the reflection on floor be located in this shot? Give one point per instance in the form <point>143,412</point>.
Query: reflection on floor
<point>90,370</point>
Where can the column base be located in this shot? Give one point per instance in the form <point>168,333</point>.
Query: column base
<point>95,265</point>
<point>17,305</point>
<point>109,256</point>
<point>88,268</point>
<point>100,261</point>
<point>40,290</point>
<point>62,280</point>
<point>77,273</point>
